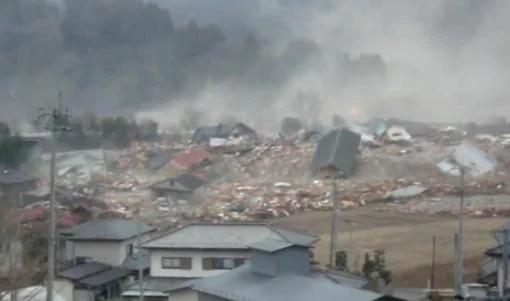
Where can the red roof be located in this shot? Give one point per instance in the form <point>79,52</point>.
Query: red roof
<point>28,215</point>
<point>190,158</point>
<point>68,219</point>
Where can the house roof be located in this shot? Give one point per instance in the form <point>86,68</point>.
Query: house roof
<point>15,177</point>
<point>183,182</point>
<point>107,229</point>
<point>227,236</point>
<point>132,261</point>
<point>339,277</point>
<point>337,149</point>
<point>222,130</point>
<point>83,270</point>
<point>270,245</point>
<point>242,284</point>
<point>191,157</point>
<point>106,276</point>
<point>154,286</point>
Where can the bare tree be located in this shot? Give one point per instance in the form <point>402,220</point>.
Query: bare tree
<point>15,271</point>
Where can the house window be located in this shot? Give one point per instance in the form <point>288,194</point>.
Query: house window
<point>129,249</point>
<point>82,260</point>
<point>210,263</point>
<point>182,263</point>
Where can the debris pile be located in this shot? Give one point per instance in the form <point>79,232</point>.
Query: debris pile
<point>406,167</point>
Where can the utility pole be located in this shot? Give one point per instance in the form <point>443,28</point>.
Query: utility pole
<point>460,248</point>
<point>139,256</point>
<point>57,120</point>
<point>459,239</point>
<point>456,277</point>
<point>433,265</point>
<point>351,244</point>
<point>505,262</point>
<point>334,228</point>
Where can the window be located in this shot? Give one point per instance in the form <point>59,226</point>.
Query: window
<point>183,263</point>
<point>210,263</point>
<point>129,249</point>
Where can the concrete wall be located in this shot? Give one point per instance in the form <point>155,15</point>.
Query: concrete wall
<point>196,262</point>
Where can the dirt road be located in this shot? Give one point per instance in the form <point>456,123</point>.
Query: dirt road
<point>406,240</point>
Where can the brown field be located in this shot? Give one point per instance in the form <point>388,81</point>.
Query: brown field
<point>406,240</point>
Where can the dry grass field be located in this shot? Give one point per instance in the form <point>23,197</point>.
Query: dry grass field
<point>406,240</point>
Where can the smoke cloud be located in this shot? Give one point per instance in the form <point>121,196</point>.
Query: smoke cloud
<point>423,60</point>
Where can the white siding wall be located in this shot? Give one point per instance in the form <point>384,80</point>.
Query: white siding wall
<point>100,251</point>
<point>196,262</point>
<point>109,252</point>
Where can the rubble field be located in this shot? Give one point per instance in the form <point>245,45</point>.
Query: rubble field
<point>271,177</point>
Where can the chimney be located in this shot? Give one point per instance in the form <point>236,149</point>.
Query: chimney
<point>272,257</point>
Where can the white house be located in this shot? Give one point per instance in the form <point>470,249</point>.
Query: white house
<point>107,241</point>
<point>206,249</point>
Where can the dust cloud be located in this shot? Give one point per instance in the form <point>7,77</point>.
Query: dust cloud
<point>422,60</point>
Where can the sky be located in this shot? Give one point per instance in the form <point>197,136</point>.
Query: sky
<point>445,60</point>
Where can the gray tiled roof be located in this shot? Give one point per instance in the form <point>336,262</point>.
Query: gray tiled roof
<point>241,284</point>
<point>107,229</point>
<point>227,236</point>
<point>132,261</point>
<point>106,277</point>
<point>270,245</point>
<point>83,270</point>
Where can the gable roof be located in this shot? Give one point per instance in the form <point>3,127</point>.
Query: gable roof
<point>227,236</point>
<point>107,229</point>
<point>94,274</point>
<point>242,284</point>
<point>271,245</point>
<point>105,277</point>
<point>338,149</point>
<point>83,270</point>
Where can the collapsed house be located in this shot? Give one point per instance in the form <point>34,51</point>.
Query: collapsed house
<point>181,187</point>
<point>191,159</point>
<point>15,183</point>
<point>337,149</point>
<point>222,132</point>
